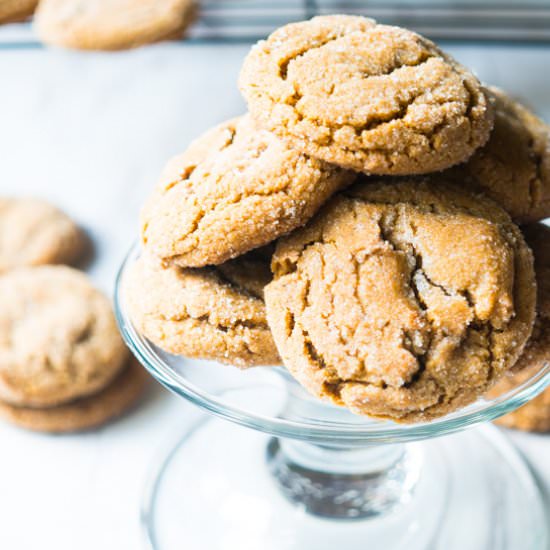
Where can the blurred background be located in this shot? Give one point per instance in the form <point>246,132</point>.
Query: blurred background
<point>90,131</point>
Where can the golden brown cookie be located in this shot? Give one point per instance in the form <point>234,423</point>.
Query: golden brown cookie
<point>208,313</point>
<point>33,232</point>
<point>58,337</point>
<point>513,168</point>
<point>16,10</point>
<point>535,415</point>
<point>370,97</point>
<point>236,188</point>
<point>112,25</point>
<point>85,413</point>
<point>402,300</point>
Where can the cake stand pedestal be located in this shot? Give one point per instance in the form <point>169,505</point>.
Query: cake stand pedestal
<point>278,470</point>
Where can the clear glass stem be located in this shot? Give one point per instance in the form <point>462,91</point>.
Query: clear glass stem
<point>340,482</point>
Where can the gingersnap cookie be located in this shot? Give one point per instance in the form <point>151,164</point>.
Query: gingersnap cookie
<point>16,10</point>
<point>371,97</point>
<point>33,232</point>
<point>58,337</point>
<point>208,313</point>
<point>85,413</point>
<point>513,168</point>
<point>236,188</point>
<point>535,415</point>
<point>112,25</point>
<point>402,300</point>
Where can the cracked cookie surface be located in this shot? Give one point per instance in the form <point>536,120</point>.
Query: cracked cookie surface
<point>87,412</point>
<point>213,313</point>
<point>402,300</point>
<point>112,25</point>
<point>16,10</point>
<point>513,168</point>
<point>236,188</point>
<point>535,415</point>
<point>374,98</point>
<point>58,337</point>
<point>33,232</point>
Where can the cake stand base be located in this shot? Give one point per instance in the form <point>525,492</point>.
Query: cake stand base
<point>215,490</point>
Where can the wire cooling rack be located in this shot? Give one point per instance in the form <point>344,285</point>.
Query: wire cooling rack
<point>248,20</point>
<point>466,19</point>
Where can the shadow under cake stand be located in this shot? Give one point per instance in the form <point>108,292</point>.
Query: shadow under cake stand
<point>290,472</point>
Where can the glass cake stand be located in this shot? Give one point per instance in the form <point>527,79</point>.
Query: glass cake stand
<point>290,472</point>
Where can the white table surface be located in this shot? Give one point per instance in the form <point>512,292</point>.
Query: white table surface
<point>91,133</point>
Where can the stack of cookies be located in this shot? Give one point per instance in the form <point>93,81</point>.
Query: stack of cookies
<point>358,225</point>
<point>63,365</point>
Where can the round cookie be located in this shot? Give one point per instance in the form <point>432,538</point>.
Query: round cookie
<point>374,98</point>
<point>85,413</point>
<point>535,415</point>
<point>112,25</point>
<point>402,300</point>
<point>16,10</point>
<point>513,168</point>
<point>209,313</point>
<point>236,188</point>
<point>33,232</point>
<point>58,337</point>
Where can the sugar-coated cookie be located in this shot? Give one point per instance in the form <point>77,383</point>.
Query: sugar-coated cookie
<point>402,300</point>
<point>58,337</point>
<point>371,97</point>
<point>210,313</point>
<point>535,415</point>
<point>513,168</point>
<point>34,232</point>
<point>236,188</point>
<point>16,10</point>
<point>85,413</point>
<point>112,24</point>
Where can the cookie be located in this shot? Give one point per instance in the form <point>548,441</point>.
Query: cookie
<point>85,413</point>
<point>236,188</point>
<point>16,10</point>
<point>213,313</point>
<point>535,415</point>
<point>513,168</point>
<point>112,25</point>
<point>402,300</point>
<point>58,337</point>
<point>374,98</point>
<point>33,232</point>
